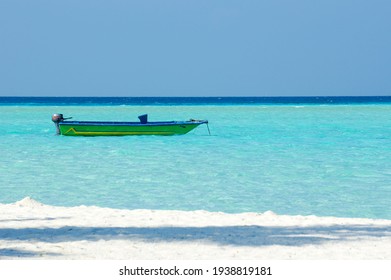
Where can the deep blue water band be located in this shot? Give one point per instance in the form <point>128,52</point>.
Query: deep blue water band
<point>85,101</point>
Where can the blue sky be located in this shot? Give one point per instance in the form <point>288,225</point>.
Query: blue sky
<point>195,48</point>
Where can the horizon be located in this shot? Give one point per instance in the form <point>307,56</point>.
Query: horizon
<point>212,96</point>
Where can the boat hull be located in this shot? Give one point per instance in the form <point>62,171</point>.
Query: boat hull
<point>68,128</point>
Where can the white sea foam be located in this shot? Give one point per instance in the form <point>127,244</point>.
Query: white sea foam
<point>28,202</point>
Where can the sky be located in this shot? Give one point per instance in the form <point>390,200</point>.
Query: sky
<point>195,48</point>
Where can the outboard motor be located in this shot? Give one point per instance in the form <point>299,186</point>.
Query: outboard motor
<point>57,118</point>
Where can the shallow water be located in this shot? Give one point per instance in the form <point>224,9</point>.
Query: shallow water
<point>326,160</point>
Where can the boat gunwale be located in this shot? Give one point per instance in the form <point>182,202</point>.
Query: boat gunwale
<point>105,123</point>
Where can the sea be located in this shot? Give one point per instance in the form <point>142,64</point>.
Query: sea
<point>323,156</point>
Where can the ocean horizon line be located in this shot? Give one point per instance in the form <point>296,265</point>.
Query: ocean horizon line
<point>194,100</point>
<point>191,96</point>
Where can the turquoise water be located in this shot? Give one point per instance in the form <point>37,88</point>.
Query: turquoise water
<point>325,160</point>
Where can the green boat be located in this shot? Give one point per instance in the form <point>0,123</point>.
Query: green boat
<point>99,128</point>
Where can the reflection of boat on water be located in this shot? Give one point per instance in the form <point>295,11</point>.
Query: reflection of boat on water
<point>99,128</point>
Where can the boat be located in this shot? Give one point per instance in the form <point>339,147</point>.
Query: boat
<point>143,127</point>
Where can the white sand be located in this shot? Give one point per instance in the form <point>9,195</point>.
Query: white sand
<point>31,230</point>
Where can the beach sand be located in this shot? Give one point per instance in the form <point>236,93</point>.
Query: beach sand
<point>31,230</point>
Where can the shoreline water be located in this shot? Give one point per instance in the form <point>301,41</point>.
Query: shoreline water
<point>321,160</point>
<point>32,230</point>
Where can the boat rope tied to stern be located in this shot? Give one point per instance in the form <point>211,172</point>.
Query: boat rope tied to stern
<point>202,121</point>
